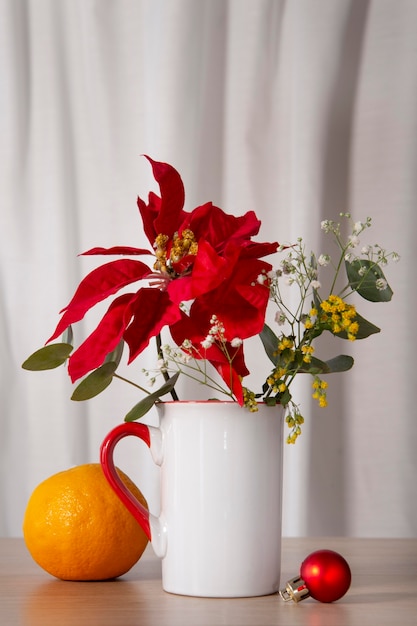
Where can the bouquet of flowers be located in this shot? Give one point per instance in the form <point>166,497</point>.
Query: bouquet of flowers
<point>209,285</point>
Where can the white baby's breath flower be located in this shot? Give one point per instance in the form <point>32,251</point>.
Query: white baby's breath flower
<point>287,266</point>
<point>366,249</point>
<point>315,284</point>
<point>381,284</point>
<point>358,228</point>
<point>207,342</point>
<point>280,318</point>
<point>236,342</point>
<point>348,256</point>
<point>362,271</point>
<point>323,260</point>
<point>353,241</point>
<point>161,365</point>
<point>395,257</point>
<point>261,279</point>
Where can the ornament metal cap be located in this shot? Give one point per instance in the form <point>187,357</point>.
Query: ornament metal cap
<point>295,589</point>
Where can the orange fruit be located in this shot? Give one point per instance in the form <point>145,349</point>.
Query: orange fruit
<point>76,528</point>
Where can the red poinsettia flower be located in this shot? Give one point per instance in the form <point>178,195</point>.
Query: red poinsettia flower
<point>204,256</point>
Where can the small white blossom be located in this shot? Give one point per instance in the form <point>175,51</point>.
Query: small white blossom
<point>186,344</point>
<point>261,279</point>
<point>362,271</point>
<point>358,228</point>
<point>366,249</point>
<point>395,257</point>
<point>236,342</point>
<point>161,365</point>
<point>287,267</point>
<point>280,318</point>
<point>326,225</point>
<point>323,260</point>
<point>207,342</point>
<point>184,358</point>
<point>315,284</point>
<point>381,284</point>
<point>348,256</point>
<point>354,241</point>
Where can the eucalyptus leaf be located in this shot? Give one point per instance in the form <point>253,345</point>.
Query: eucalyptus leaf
<point>48,358</point>
<point>365,329</point>
<point>95,383</point>
<point>116,354</point>
<point>285,397</point>
<point>142,407</point>
<point>271,401</point>
<point>68,336</point>
<point>315,367</point>
<point>270,343</point>
<point>363,276</point>
<point>340,363</point>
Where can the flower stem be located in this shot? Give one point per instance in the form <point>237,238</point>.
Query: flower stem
<point>126,380</point>
<point>164,373</point>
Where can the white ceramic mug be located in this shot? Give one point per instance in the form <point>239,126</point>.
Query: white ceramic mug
<point>219,531</point>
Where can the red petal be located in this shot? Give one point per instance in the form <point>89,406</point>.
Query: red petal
<point>98,285</point>
<point>232,380</point>
<point>209,270</point>
<point>180,289</point>
<point>172,197</point>
<point>152,310</point>
<point>255,250</point>
<point>149,212</point>
<point>239,302</point>
<point>218,227</point>
<point>93,351</point>
<point>117,250</point>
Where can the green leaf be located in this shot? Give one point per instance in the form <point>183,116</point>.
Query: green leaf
<point>68,335</point>
<point>365,329</point>
<point>285,397</point>
<point>116,355</point>
<point>270,343</point>
<point>316,366</point>
<point>95,383</point>
<point>363,275</point>
<point>48,357</point>
<point>142,407</point>
<point>271,401</point>
<point>341,363</point>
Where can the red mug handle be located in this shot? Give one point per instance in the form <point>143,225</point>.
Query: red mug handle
<point>139,512</point>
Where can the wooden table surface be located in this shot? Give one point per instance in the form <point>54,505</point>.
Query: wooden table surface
<point>383,592</point>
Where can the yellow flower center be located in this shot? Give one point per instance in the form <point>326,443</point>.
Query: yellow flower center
<point>181,247</point>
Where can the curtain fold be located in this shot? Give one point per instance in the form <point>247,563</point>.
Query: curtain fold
<point>297,110</point>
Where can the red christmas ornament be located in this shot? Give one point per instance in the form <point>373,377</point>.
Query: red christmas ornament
<point>324,575</point>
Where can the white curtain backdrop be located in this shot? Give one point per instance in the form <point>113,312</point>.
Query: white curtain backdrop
<point>297,109</point>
